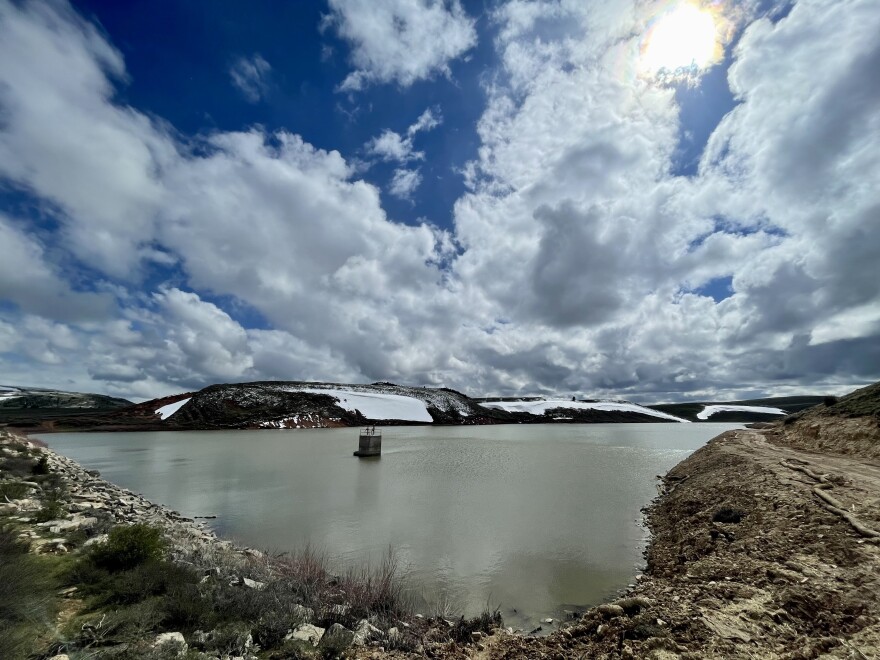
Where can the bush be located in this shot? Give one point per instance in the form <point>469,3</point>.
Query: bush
<point>152,578</point>
<point>51,510</point>
<point>485,623</point>
<point>128,546</point>
<point>42,466</point>
<point>829,401</point>
<point>18,466</point>
<point>13,490</point>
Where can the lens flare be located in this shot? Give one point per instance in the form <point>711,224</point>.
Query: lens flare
<point>680,44</point>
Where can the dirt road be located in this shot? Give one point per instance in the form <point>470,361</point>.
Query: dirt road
<point>747,561</point>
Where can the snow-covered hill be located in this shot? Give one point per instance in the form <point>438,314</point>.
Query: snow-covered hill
<point>708,411</point>
<point>543,406</point>
<point>306,404</point>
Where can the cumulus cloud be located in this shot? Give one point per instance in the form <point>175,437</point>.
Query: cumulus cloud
<point>250,75</point>
<point>400,41</point>
<point>576,260</point>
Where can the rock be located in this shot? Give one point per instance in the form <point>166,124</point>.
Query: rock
<point>339,610</point>
<point>253,584</point>
<point>610,610</point>
<point>60,656</point>
<point>547,620</point>
<point>200,638</point>
<point>171,640</point>
<point>393,635</point>
<point>476,636</point>
<point>336,639</point>
<point>303,614</point>
<point>306,633</point>
<point>364,632</point>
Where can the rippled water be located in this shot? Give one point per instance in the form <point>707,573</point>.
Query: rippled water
<point>534,518</point>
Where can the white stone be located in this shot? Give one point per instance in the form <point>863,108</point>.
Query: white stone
<point>253,584</point>
<point>364,632</point>
<point>307,633</point>
<point>173,640</point>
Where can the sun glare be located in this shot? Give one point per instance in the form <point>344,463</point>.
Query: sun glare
<point>680,43</point>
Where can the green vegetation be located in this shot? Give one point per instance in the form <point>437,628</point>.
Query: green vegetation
<point>26,596</point>
<point>13,490</point>
<point>129,546</point>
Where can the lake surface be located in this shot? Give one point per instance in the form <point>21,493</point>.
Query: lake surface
<point>534,518</point>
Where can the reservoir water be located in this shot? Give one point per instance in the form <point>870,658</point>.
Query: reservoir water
<point>533,519</point>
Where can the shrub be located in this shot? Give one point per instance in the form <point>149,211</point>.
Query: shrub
<point>42,466</point>
<point>13,490</point>
<point>128,546</point>
<point>151,578</point>
<point>485,623</point>
<point>18,466</point>
<point>52,509</point>
<point>829,401</point>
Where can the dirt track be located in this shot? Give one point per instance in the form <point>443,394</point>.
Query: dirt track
<point>746,561</point>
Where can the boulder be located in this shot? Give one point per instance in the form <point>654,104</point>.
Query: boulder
<point>306,633</point>
<point>364,632</point>
<point>336,639</point>
<point>253,584</point>
<point>171,641</point>
<point>610,610</point>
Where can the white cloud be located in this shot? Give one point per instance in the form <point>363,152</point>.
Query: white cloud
<point>393,147</point>
<point>576,254</point>
<point>250,75</point>
<point>404,183</point>
<point>400,41</point>
<point>63,139</point>
<point>35,286</point>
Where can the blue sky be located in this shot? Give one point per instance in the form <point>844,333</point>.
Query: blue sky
<point>505,197</point>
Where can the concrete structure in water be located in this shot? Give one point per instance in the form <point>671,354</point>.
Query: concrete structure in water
<point>370,443</point>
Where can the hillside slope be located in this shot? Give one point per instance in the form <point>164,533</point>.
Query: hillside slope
<point>748,410</point>
<point>295,404</point>
<point>849,425</point>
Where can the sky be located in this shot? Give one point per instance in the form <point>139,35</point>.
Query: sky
<point>641,199</point>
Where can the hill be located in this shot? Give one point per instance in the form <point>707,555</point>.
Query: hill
<point>747,410</point>
<point>295,404</point>
<point>21,405</point>
<point>849,425</point>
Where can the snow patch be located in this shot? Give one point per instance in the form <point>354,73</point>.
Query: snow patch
<point>378,406</point>
<point>541,407</point>
<point>708,411</point>
<point>166,411</point>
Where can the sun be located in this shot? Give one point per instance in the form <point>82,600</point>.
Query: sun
<point>680,43</point>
